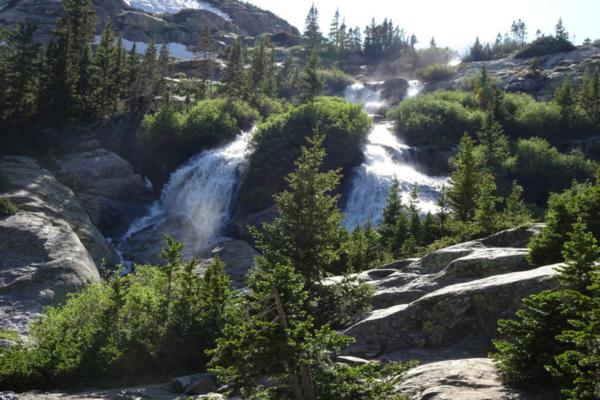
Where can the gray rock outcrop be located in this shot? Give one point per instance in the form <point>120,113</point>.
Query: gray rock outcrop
<point>106,185</point>
<point>48,248</point>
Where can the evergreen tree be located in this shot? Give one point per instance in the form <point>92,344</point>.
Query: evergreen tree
<point>68,83</point>
<point>516,212</point>
<point>162,69</point>
<point>415,227</point>
<point>205,69</point>
<point>312,32</point>
<point>269,86</point>
<point>560,31</point>
<point>430,229</point>
<point>259,67</point>
<point>465,181</point>
<point>105,73</point>
<point>493,141</point>
<point>21,69</point>
<point>581,254</point>
<point>307,233</point>
<point>443,214</point>
<point>311,83</point>
<point>146,80</point>
<point>589,95</point>
<point>565,99</point>
<point>334,30</point>
<point>234,75</point>
<point>486,200</point>
<point>391,213</point>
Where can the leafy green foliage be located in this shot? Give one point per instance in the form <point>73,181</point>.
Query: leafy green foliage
<point>371,381</point>
<point>436,72</point>
<point>554,337</point>
<point>438,119</point>
<point>7,207</point>
<point>277,144</point>
<point>335,81</point>
<point>565,209</point>
<point>545,45</point>
<point>169,137</point>
<point>154,322</point>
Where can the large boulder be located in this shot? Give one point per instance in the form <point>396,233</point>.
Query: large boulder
<point>451,315</point>
<point>464,379</point>
<point>48,248</point>
<point>450,297</point>
<point>106,185</point>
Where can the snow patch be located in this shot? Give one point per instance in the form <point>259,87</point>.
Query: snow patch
<point>174,6</point>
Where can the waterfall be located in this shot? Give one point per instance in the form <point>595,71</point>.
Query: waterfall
<point>385,158</point>
<point>197,201</point>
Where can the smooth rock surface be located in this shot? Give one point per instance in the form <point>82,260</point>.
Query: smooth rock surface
<point>106,185</point>
<point>43,254</point>
<point>466,379</point>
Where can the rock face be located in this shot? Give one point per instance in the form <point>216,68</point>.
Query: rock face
<point>466,379</point>
<point>450,298</point>
<point>106,185</point>
<point>513,75</point>
<point>47,249</point>
<point>224,17</point>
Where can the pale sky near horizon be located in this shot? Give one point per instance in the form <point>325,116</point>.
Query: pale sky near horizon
<point>453,23</point>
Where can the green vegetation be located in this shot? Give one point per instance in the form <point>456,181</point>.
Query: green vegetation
<point>169,137</point>
<point>7,207</point>
<point>335,81</point>
<point>553,340</point>
<point>151,323</point>
<point>436,72</point>
<point>277,143</point>
<point>581,201</point>
<point>273,330</point>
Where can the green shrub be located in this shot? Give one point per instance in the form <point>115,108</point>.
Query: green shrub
<point>343,303</point>
<point>581,201</point>
<point>277,144</point>
<point>371,381</point>
<point>436,72</point>
<point>7,207</point>
<point>169,137</point>
<point>335,81</point>
<point>545,45</point>
<point>541,169</point>
<point>438,119</point>
<point>152,323</point>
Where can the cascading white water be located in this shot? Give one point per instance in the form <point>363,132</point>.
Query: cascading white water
<point>386,158</point>
<point>198,198</point>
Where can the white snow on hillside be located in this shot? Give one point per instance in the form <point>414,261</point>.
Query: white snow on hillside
<point>174,6</point>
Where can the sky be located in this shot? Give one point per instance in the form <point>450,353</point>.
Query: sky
<point>453,23</point>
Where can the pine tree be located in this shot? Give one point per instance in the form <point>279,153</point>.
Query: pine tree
<point>307,233</point>
<point>146,80</point>
<point>589,95</point>
<point>310,83</point>
<point>565,98</point>
<point>162,69</point>
<point>391,213</point>
<point>21,73</point>
<point>205,69</point>
<point>234,75</point>
<point>465,181</point>
<point>443,214</point>
<point>105,73</point>
<point>259,67</point>
<point>485,211</point>
<point>334,30</point>
<point>67,88</point>
<point>560,31</point>
<point>493,142</point>
<point>516,212</point>
<point>312,32</point>
<point>430,229</point>
<point>581,254</point>
<point>415,227</point>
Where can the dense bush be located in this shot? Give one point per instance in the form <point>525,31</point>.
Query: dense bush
<point>335,81</point>
<point>541,169</point>
<point>581,201</point>
<point>7,207</point>
<point>436,72</point>
<point>277,144</point>
<point>438,119</point>
<point>545,45</point>
<point>169,137</point>
<point>151,323</point>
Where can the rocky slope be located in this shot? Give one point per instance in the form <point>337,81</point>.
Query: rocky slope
<point>174,24</point>
<point>48,248</point>
<point>513,75</point>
